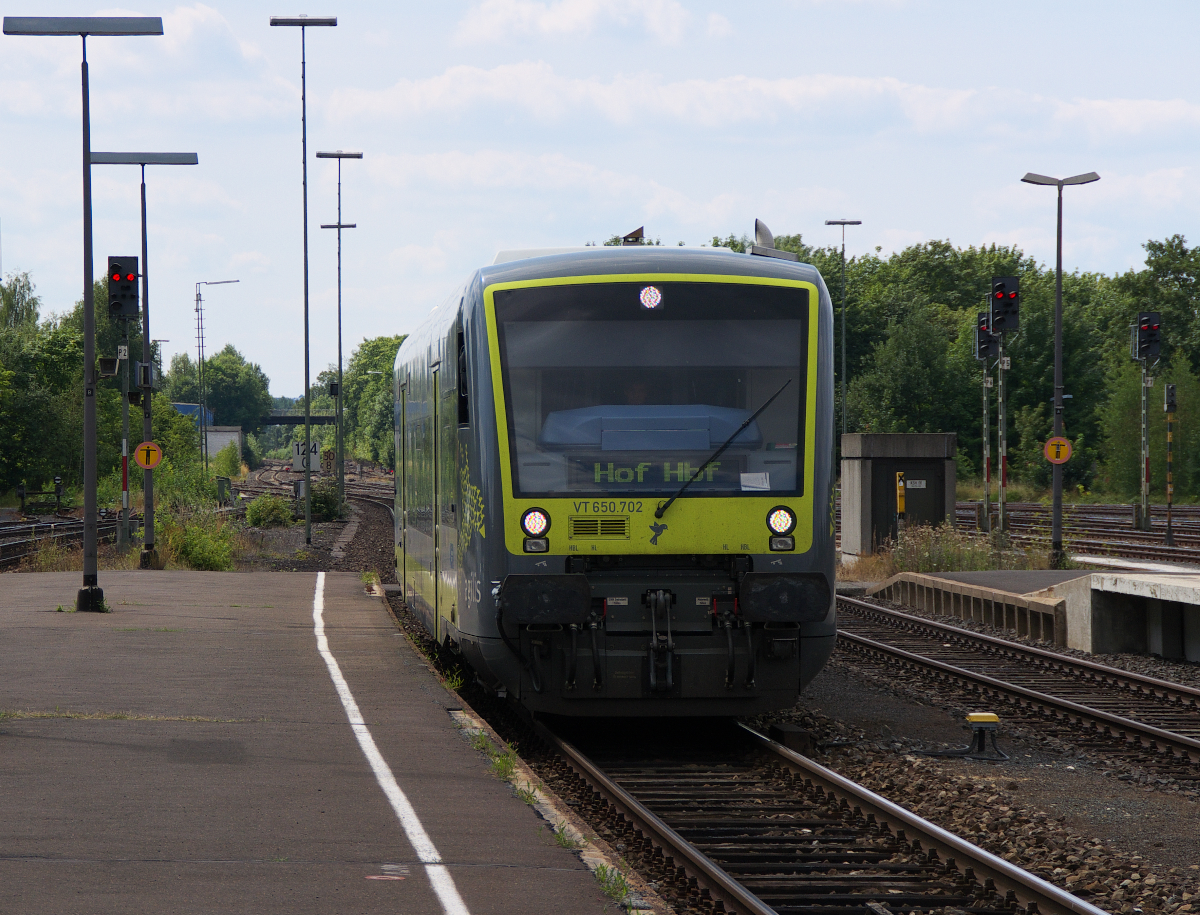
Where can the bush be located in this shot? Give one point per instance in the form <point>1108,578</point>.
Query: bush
<point>325,504</point>
<point>268,511</point>
<point>228,461</point>
<point>921,548</point>
<point>182,487</point>
<point>201,541</point>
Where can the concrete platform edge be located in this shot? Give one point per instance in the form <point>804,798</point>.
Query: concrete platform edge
<point>594,851</point>
<point>1039,618</point>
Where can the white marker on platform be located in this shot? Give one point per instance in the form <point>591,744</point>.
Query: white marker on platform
<point>439,877</point>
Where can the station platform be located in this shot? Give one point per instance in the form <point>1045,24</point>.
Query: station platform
<point>1097,612</point>
<point>194,751</point>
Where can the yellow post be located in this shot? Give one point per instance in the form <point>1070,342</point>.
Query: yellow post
<point>900,495</point>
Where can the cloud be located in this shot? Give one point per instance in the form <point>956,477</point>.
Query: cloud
<point>827,104</point>
<point>497,20</point>
<point>718,26</point>
<point>251,261</point>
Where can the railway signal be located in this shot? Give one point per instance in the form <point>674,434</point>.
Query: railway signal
<point>987,346</point>
<point>1005,304</point>
<point>1147,336</point>
<point>123,275</point>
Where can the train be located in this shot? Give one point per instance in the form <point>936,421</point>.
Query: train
<point>615,478</point>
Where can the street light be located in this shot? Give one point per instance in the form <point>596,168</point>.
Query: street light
<point>339,225</point>
<point>148,559</point>
<point>843,223</point>
<point>200,363</point>
<point>91,595</point>
<point>304,22</point>
<point>1056,545</point>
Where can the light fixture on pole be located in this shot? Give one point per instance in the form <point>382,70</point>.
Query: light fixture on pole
<point>1056,543</point>
<point>91,595</point>
<point>200,364</point>
<point>303,22</point>
<point>148,559</point>
<point>843,223</point>
<point>339,225</point>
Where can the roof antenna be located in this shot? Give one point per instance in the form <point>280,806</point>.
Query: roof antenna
<point>762,235</point>
<point>635,237</point>
<point>764,244</point>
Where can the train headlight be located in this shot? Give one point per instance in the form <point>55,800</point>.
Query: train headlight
<point>781,520</point>
<point>535,522</point>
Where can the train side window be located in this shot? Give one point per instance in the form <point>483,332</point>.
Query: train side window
<point>464,406</point>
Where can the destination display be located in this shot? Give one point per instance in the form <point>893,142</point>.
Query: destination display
<point>606,472</point>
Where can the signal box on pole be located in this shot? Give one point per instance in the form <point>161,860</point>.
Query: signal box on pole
<point>123,287</point>
<point>986,344</point>
<point>1147,336</point>
<point>1006,304</point>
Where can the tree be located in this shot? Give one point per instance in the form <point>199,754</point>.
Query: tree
<point>1122,425</point>
<point>912,384</point>
<point>368,433</point>
<point>18,305</point>
<point>1170,285</point>
<point>236,391</point>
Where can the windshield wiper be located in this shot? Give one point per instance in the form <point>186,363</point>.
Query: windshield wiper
<point>662,509</point>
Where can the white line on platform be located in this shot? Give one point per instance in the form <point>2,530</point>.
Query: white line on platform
<point>439,877</point>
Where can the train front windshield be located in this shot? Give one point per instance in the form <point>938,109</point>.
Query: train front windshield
<point>629,387</point>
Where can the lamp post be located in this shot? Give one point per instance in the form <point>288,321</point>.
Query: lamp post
<point>304,22</point>
<point>91,595</point>
<point>843,223</point>
<point>200,363</point>
<point>1056,544</point>
<point>339,225</point>
<point>148,559</point>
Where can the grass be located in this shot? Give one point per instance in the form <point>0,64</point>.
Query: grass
<point>527,794</point>
<point>971,490</point>
<point>612,881</point>
<point>22,715</point>
<point>370,579</point>
<point>504,762</point>
<point>564,839</point>
<point>456,679</point>
<point>925,549</point>
<point>68,557</point>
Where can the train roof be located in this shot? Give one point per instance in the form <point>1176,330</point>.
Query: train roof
<point>538,263</point>
<point>545,263</point>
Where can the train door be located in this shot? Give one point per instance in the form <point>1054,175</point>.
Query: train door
<point>435,406</point>
<point>401,481</point>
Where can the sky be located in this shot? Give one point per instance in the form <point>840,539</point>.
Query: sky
<point>494,124</point>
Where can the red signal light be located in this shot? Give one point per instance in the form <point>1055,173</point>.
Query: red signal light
<point>116,277</point>
<point>1000,294</point>
<point>1012,295</point>
<point>130,277</point>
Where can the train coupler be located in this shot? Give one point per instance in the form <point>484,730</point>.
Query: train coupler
<point>662,644</point>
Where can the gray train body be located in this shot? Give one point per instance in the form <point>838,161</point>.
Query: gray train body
<point>551,406</point>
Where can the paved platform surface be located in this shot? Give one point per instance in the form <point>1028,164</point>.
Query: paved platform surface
<point>1012,581</point>
<point>219,772</point>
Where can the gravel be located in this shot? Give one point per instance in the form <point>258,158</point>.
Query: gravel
<point>1120,845</point>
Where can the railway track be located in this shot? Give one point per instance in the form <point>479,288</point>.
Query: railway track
<point>1151,723</point>
<point>22,541</point>
<point>726,820</point>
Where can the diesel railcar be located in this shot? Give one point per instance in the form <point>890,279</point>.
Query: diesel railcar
<point>614,484</point>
